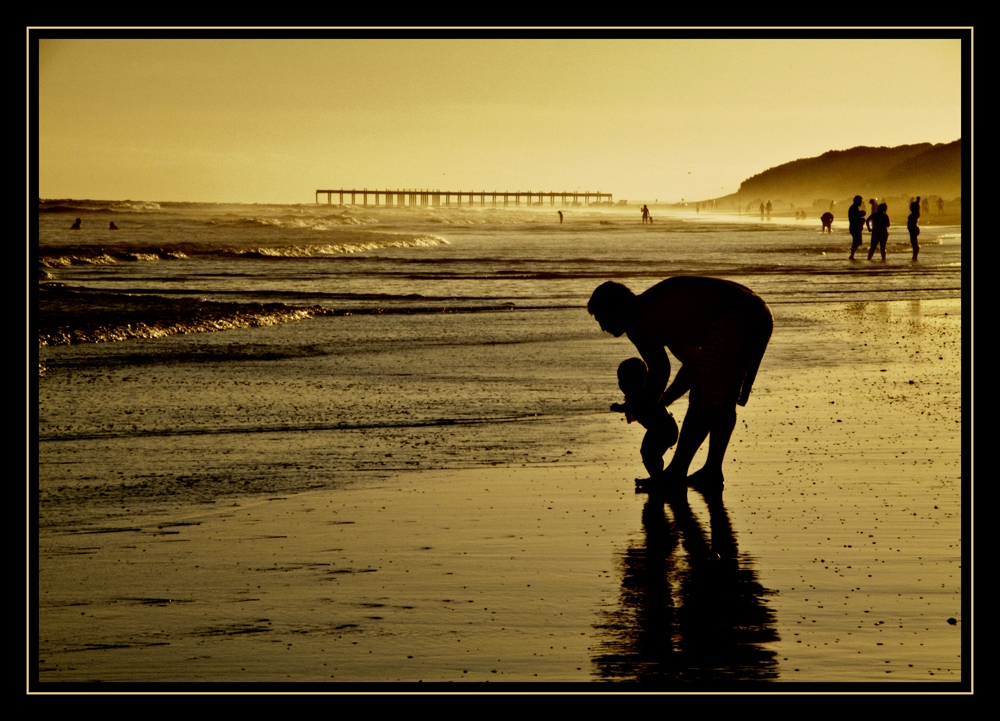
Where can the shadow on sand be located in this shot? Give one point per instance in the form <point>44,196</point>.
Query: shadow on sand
<point>691,611</point>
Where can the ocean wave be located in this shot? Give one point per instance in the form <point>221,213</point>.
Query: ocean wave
<point>69,316</point>
<point>103,258</point>
<point>305,251</point>
<point>304,222</point>
<point>96,206</point>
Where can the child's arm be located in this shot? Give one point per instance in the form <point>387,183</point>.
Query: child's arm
<point>624,408</point>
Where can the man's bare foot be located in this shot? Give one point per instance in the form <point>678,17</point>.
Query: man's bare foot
<point>707,481</point>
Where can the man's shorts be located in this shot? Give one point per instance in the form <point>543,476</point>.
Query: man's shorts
<point>730,355</point>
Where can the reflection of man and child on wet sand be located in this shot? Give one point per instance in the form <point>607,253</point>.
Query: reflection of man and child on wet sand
<point>718,330</point>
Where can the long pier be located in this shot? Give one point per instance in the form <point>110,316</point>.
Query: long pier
<point>442,198</point>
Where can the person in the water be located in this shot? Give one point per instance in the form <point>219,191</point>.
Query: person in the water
<point>912,227</point>
<point>878,226</point>
<point>855,223</point>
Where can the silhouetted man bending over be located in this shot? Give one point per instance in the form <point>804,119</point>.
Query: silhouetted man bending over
<point>718,330</point>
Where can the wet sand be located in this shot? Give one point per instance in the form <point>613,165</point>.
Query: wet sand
<point>836,555</point>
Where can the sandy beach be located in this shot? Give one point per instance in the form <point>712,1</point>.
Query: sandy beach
<point>836,556</point>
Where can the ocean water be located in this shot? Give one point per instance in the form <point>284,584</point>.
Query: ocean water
<point>203,350</point>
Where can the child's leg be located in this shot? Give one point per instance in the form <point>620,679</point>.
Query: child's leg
<point>654,445</point>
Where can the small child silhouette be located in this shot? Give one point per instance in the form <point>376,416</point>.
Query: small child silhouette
<point>661,428</point>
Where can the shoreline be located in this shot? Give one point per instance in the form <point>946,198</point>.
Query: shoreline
<point>844,498</point>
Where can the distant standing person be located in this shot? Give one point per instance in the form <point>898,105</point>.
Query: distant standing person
<point>76,225</point>
<point>719,331</point>
<point>827,220</point>
<point>912,227</point>
<point>940,205</point>
<point>645,214</point>
<point>855,223</point>
<point>874,207</point>
<point>878,225</point>
<point>768,208</point>
<point>926,206</point>
<point>762,211</point>
<point>560,217</point>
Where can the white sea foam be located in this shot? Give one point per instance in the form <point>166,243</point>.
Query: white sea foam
<point>305,251</point>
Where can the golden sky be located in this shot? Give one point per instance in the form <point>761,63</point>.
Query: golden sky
<point>273,120</point>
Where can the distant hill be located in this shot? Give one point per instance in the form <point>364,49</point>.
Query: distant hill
<point>923,169</point>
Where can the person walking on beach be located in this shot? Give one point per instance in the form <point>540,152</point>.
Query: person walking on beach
<point>878,226</point>
<point>768,209</point>
<point>645,214</point>
<point>719,331</point>
<point>912,227</point>
<point>926,206</point>
<point>940,205</point>
<point>661,428</point>
<point>855,223</point>
<point>560,217</point>
<point>762,210</point>
<point>76,225</point>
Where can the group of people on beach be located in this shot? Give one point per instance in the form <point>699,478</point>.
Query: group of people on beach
<point>877,223</point>
<point>719,331</point>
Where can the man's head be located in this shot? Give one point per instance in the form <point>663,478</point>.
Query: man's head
<point>611,304</point>
<point>858,200</point>
<point>632,376</point>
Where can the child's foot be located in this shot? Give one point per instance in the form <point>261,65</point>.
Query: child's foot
<point>666,485</point>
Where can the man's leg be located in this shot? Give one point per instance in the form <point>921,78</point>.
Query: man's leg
<point>694,430</point>
<point>723,423</point>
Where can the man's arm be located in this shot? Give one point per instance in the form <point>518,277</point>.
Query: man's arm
<point>680,386</point>
<point>657,372</point>
<point>682,381</point>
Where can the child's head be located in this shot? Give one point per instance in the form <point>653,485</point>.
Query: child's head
<point>631,375</point>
